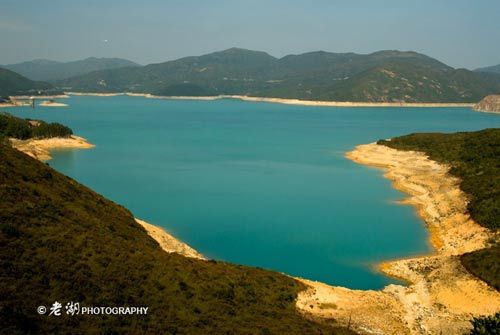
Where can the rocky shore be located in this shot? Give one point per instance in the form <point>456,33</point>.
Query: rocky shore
<point>490,104</point>
<point>441,296</point>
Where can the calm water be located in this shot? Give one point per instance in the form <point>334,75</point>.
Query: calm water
<point>256,183</point>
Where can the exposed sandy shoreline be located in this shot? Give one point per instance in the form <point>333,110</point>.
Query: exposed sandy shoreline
<point>284,101</point>
<point>442,296</point>
<point>39,97</point>
<point>25,100</point>
<point>94,94</point>
<point>169,243</point>
<point>40,148</point>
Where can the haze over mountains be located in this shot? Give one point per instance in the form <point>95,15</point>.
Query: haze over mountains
<point>383,76</point>
<point>491,69</point>
<point>46,70</point>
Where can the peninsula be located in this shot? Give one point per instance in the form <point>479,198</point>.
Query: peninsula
<point>36,138</point>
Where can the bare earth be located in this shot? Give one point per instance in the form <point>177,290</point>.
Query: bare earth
<point>442,296</point>
<point>40,148</point>
<point>169,243</point>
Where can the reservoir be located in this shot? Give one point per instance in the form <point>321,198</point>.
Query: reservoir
<point>256,183</point>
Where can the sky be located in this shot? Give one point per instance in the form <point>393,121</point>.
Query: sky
<point>460,33</point>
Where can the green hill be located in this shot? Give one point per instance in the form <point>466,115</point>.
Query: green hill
<point>315,76</point>
<point>60,241</point>
<point>12,83</point>
<point>46,70</point>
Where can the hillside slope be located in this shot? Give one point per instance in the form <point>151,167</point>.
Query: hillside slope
<point>12,83</point>
<point>60,241</point>
<point>311,76</point>
<point>47,70</point>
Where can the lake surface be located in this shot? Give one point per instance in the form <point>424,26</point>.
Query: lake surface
<point>254,183</point>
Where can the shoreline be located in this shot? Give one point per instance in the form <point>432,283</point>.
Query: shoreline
<point>282,100</point>
<point>168,242</point>
<point>442,296</point>
<point>40,148</point>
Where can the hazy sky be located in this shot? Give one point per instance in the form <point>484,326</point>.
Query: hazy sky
<point>461,33</point>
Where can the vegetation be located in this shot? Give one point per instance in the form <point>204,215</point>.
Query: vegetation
<point>60,241</point>
<point>12,83</point>
<point>380,76</point>
<point>485,264</point>
<point>42,69</point>
<point>474,158</point>
<point>488,325</point>
<point>11,126</point>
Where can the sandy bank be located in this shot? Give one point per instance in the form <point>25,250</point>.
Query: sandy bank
<point>7,104</point>
<point>287,101</point>
<point>94,94</point>
<point>442,296</point>
<point>40,148</point>
<point>49,103</point>
<point>169,243</point>
<point>38,97</point>
<point>348,103</point>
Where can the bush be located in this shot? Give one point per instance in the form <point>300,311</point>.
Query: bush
<point>488,325</point>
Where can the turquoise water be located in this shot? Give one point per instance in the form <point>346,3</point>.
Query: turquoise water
<point>256,183</point>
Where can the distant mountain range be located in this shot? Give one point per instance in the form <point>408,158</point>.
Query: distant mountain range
<point>380,76</point>
<point>384,76</point>
<point>491,69</point>
<point>47,70</point>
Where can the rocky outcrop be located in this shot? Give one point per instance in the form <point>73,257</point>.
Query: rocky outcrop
<point>490,103</point>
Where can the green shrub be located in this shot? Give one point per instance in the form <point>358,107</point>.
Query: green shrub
<point>11,126</point>
<point>487,325</point>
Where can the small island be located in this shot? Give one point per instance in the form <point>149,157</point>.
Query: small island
<point>52,103</point>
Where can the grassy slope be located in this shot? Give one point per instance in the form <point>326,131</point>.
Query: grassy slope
<point>475,159</point>
<point>61,241</point>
